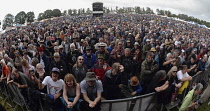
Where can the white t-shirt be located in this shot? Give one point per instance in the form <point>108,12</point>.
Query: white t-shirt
<point>53,87</point>
<point>180,75</point>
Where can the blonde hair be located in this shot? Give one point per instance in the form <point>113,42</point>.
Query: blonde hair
<point>77,63</point>
<point>170,72</point>
<point>25,63</point>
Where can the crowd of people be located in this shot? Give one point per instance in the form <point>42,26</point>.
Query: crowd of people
<point>73,62</point>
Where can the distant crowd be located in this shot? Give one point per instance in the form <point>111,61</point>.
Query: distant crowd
<point>74,62</point>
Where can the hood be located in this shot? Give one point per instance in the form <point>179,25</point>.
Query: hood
<point>108,73</point>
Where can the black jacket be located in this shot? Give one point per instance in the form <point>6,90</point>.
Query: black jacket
<point>111,82</point>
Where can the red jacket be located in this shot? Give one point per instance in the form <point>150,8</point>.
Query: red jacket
<point>99,71</point>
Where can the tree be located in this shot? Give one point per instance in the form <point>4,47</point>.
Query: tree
<point>79,12</point>
<point>40,16</point>
<point>108,11</point>
<point>83,11</point>
<point>20,18</point>
<point>137,9</point>
<point>64,13</point>
<point>143,11</point>
<point>74,11</point>
<point>30,16</point>
<point>8,21</point>
<point>56,13</point>
<point>88,11</point>
<point>69,12</point>
<point>48,14</point>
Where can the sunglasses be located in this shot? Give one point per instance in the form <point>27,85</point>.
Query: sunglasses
<point>81,59</point>
<point>174,71</point>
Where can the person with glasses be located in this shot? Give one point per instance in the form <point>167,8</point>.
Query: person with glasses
<point>103,51</point>
<point>79,69</point>
<point>174,83</point>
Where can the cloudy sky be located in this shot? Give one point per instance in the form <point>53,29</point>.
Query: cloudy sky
<point>197,8</point>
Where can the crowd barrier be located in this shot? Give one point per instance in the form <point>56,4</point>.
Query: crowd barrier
<point>12,93</point>
<point>139,103</point>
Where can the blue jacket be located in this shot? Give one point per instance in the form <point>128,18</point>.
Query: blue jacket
<point>92,62</point>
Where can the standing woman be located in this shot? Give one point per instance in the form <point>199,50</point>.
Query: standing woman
<point>79,69</point>
<point>71,93</point>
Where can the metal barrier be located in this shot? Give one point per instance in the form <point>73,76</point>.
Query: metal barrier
<point>138,103</point>
<point>13,94</point>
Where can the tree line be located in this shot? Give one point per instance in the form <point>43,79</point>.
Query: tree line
<point>23,17</point>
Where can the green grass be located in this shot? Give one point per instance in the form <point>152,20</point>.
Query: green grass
<point>203,107</point>
<point>8,105</point>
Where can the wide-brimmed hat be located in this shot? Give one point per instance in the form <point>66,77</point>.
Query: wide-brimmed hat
<point>88,48</point>
<point>60,46</point>
<point>147,40</point>
<point>152,49</point>
<point>17,52</point>
<point>90,76</point>
<point>100,56</point>
<point>128,41</point>
<point>136,43</point>
<point>102,44</point>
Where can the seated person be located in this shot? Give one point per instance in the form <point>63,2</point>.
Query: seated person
<point>91,90</point>
<point>71,93</point>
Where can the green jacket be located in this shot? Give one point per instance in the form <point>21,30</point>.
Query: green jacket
<point>187,100</point>
<point>147,70</point>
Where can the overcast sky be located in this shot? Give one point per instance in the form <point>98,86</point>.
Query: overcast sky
<point>197,8</point>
